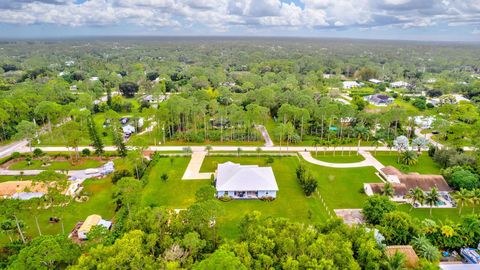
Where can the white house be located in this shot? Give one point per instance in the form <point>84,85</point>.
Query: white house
<point>90,221</point>
<point>375,81</point>
<point>245,181</point>
<point>128,129</point>
<point>425,122</point>
<point>399,84</point>
<point>350,84</point>
<point>379,99</point>
<point>73,88</point>
<point>94,79</point>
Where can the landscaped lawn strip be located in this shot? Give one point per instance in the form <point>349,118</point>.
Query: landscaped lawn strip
<point>56,165</point>
<point>425,164</point>
<point>338,157</point>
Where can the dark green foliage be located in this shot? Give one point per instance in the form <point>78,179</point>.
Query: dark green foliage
<point>47,252</point>
<point>96,140</point>
<point>376,207</point>
<point>128,89</point>
<point>86,152</point>
<point>307,181</point>
<point>398,228</point>
<point>37,152</point>
<point>117,175</point>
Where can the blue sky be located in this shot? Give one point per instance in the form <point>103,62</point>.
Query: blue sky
<point>451,20</point>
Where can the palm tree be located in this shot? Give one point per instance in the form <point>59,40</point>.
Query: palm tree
<point>475,193</point>
<point>259,150</point>
<point>208,148</point>
<point>395,262</point>
<point>316,142</point>
<point>416,195</point>
<point>388,189</point>
<point>432,198</point>
<point>409,158</point>
<point>463,196</point>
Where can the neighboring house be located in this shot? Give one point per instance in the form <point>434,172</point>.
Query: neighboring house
<point>431,80</point>
<point>424,122</point>
<point>148,98</point>
<point>375,81</point>
<point>228,84</point>
<point>94,79</point>
<point>73,88</point>
<point>411,258</point>
<point>350,84</point>
<point>90,221</point>
<point>245,181</point>
<point>22,190</point>
<point>69,63</point>
<point>128,129</point>
<point>402,183</point>
<point>400,84</point>
<point>379,99</point>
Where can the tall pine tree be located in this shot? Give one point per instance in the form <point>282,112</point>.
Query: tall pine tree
<point>118,140</point>
<point>96,140</point>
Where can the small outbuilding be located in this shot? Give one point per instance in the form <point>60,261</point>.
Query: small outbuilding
<point>90,221</point>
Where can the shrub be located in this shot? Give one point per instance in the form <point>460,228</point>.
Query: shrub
<point>86,152</point>
<point>376,207</point>
<point>267,198</point>
<point>117,175</point>
<point>225,198</point>
<point>15,155</point>
<point>37,152</point>
<point>308,183</point>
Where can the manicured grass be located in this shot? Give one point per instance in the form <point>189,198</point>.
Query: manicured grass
<point>174,192</point>
<point>56,165</point>
<point>338,157</point>
<point>438,214</point>
<point>5,178</point>
<point>100,202</point>
<point>424,165</point>
<point>341,188</point>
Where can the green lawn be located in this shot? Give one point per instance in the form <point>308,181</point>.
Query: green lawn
<point>425,163</point>
<point>100,202</point>
<point>338,157</point>
<point>5,178</point>
<point>55,165</point>
<point>341,188</point>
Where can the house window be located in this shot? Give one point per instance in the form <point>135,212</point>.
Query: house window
<point>266,193</point>
<point>225,193</point>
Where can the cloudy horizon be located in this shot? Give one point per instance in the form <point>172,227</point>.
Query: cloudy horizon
<point>445,20</point>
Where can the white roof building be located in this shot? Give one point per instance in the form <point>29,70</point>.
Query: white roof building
<point>128,129</point>
<point>90,221</point>
<point>93,79</point>
<point>245,181</point>
<point>375,81</point>
<point>399,84</point>
<point>350,84</point>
